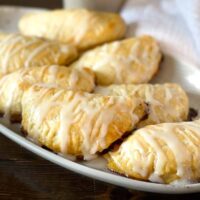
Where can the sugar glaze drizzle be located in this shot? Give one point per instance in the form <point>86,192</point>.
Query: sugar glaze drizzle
<point>173,106</point>
<point>86,111</point>
<point>180,138</point>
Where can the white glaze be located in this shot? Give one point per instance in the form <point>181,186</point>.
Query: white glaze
<point>82,106</point>
<point>18,50</point>
<point>53,70</point>
<point>133,66</point>
<point>35,52</point>
<point>170,134</point>
<point>150,93</point>
<point>8,95</point>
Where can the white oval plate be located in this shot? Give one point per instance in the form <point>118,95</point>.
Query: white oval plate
<point>172,70</point>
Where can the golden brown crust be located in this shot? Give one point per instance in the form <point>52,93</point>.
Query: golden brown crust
<point>162,153</point>
<point>77,123</point>
<point>167,102</point>
<point>17,51</point>
<point>82,28</point>
<point>133,60</point>
<point>12,86</point>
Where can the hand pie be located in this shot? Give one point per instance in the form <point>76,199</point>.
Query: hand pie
<point>12,86</point>
<point>82,28</point>
<point>133,60</point>
<point>166,102</point>
<point>164,153</point>
<point>17,51</point>
<point>77,123</point>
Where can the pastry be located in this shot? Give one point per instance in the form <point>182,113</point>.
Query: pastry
<point>77,123</point>
<point>80,27</point>
<point>17,51</point>
<point>166,102</point>
<point>164,153</point>
<point>133,60</point>
<point>13,85</point>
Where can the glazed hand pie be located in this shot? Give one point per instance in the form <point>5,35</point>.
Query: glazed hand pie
<point>12,86</point>
<point>82,28</point>
<point>164,153</point>
<point>133,60</point>
<point>166,102</point>
<point>77,123</point>
<point>17,51</point>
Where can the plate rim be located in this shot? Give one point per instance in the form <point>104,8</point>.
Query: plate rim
<point>108,177</point>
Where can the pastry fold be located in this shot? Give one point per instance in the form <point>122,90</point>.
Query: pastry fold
<point>17,51</point>
<point>77,123</point>
<point>13,85</point>
<point>80,27</point>
<point>133,60</point>
<point>165,153</point>
<point>166,102</point>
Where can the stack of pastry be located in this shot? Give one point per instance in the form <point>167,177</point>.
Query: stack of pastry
<point>78,86</point>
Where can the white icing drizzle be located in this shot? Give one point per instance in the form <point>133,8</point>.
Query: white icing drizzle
<point>11,92</point>
<point>127,151</point>
<point>12,53</point>
<point>74,78</point>
<point>8,40</point>
<point>95,118</point>
<point>181,154</point>
<point>9,95</point>
<point>53,70</point>
<point>18,44</point>
<point>177,137</point>
<point>135,67</point>
<point>150,94</point>
<point>119,64</point>
<point>155,178</point>
<point>12,41</point>
<point>34,53</point>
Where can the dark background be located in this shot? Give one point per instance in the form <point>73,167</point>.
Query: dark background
<point>34,3</point>
<point>24,175</point>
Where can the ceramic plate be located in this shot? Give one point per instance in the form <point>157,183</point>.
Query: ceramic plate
<point>172,69</point>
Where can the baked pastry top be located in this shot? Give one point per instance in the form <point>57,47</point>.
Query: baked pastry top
<point>80,27</point>
<point>133,60</point>
<point>17,51</point>
<point>164,153</point>
<point>13,85</point>
<point>77,123</point>
<point>166,102</point>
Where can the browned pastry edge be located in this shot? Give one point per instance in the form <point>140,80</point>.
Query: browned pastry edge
<point>23,131</point>
<point>192,114</point>
<point>1,114</point>
<point>15,118</point>
<point>116,144</point>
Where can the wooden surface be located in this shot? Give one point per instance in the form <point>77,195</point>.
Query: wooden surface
<point>23,175</point>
